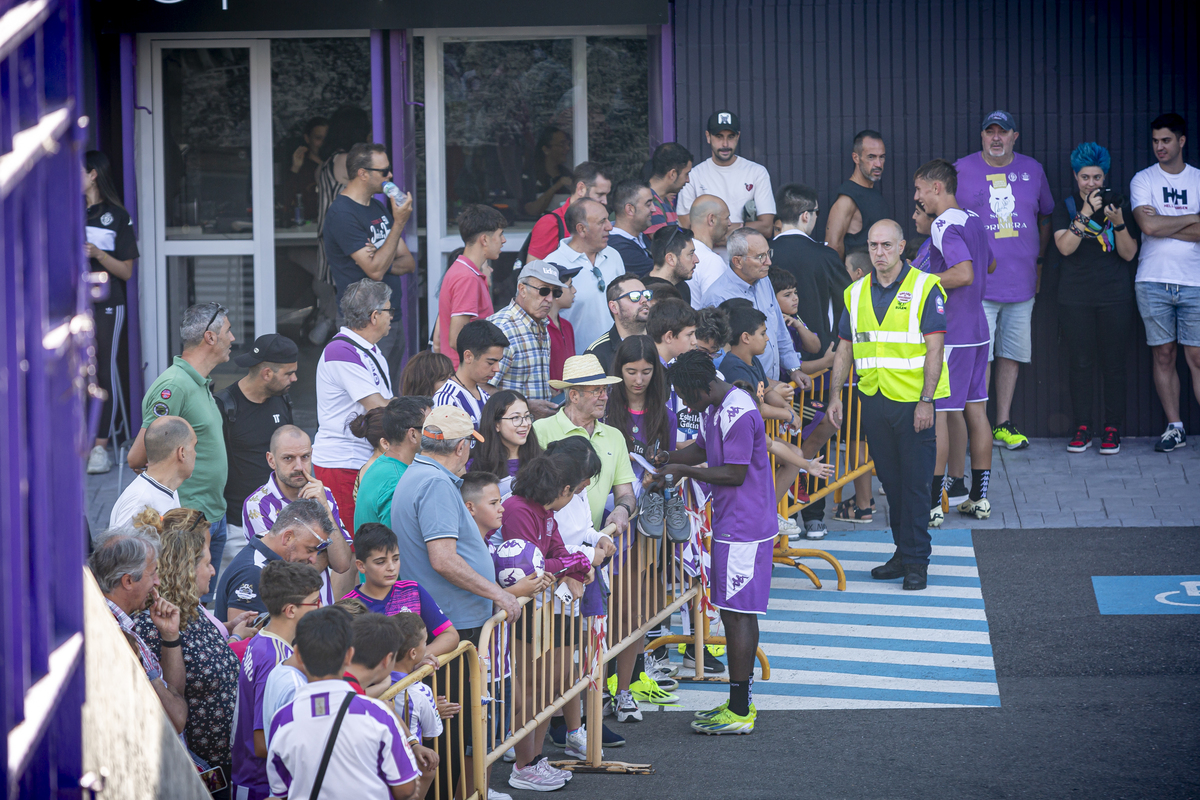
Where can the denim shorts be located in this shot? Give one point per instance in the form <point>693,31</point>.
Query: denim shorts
<point>1171,313</point>
<point>1010,326</point>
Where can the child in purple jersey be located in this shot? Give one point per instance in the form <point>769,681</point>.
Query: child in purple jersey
<point>959,254</point>
<point>378,559</point>
<point>733,442</point>
<point>416,706</point>
<point>289,591</point>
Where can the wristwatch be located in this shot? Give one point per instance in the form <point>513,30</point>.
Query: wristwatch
<point>925,399</point>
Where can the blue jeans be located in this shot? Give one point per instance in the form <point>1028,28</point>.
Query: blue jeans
<point>217,532</point>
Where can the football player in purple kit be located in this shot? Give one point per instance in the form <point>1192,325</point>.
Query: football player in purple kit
<point>733,442</point>
<point>289,590</point>
<point>958,253</point>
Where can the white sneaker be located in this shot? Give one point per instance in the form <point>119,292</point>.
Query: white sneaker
<point>627,707</point>
<point>533,779</point>
<point>510,755</point>
<point>98,461</point>
<point>936,516</point>
<point>577,745</point>
<point>545,766</point>
<point>815,529</point>
<point>494,795</point>
<point>788,526</point>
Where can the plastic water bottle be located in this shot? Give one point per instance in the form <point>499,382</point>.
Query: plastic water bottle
<point>393,191</point>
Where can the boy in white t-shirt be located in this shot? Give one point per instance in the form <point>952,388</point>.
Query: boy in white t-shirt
<point>1166,204</point>
<point>744,185</point>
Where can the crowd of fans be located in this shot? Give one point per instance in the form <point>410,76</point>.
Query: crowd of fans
<point>349,559</point>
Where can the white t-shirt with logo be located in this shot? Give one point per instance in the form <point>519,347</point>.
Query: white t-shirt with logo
<point>141,492</point>
<point>737,184</point>
<point>1166,260</point>
<point>345,375</point>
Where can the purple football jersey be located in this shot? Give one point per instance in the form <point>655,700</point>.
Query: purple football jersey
<point>959,236</point>
<point>265,652</point>
<point>735,433</point>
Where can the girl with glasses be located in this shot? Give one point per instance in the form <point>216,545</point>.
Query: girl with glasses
<point>509,441</point>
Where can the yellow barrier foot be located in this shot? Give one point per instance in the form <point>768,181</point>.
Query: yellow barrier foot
<point>606,767</point>
<point>795,553</point>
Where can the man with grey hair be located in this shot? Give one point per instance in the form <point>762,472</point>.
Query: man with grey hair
<point>525,367</point>
<point>746,276</point>
<point>125,566</point>
<point>184,389</point>
<point>171,453</point>
<point>353,376</point>
<point>362,239</point>
<point>301,533</point>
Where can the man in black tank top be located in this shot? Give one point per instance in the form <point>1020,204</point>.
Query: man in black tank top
<point>858,204</point>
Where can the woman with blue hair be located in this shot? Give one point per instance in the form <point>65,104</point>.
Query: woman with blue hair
<point>1095,294</point>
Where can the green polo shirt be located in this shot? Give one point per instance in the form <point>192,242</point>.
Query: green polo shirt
<point>373,503</point>
<point>181,392</point>
<point>609,443</point>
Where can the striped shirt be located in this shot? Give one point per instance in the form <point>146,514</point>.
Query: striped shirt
<point>454,393</point>
<point>328,188</point>
<point>149,660</point>
<point>525,367</point>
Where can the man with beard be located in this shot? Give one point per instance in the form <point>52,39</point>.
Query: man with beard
<point>744,185</point>
<point>859,204</point>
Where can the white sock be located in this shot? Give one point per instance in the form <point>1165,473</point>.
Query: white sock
<point>1178,425</point>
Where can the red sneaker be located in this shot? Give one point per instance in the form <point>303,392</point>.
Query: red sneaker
<point>1082,440</point>
<point>1110,443</point>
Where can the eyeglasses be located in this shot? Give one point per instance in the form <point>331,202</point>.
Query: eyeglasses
<point>599,390</point>
<point>708,352</point>
<point>220,310</point>
<point>391,311</point>
<point>638,295</point>
<point>518,421</point>
<point>600,284</point>
<point>317,604</point>
<point>545,291</point>
<point>761,256</point>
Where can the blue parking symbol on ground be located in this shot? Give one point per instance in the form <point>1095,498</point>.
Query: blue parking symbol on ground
<point>1147,594</point>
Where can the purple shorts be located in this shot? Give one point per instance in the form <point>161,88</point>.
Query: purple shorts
<point>968,377</point>
<point>741,576</point>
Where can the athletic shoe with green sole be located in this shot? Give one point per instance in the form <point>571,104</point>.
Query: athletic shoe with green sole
<point>645,690</point>
<point>1006,435</point>
<point>712,712</point>
<point>725,723</point>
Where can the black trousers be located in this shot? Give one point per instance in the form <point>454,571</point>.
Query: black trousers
<point>1097,341</point>
<point>112,368</point>
<point>904,461</point>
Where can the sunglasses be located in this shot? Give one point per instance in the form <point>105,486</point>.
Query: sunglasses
<point>600,284</point>
<point>638,295</point>
<point>385,170</point>
<point>220,310</point>
<point>671,238</point>
<point>547,290</point>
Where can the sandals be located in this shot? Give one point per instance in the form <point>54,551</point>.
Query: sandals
<point>848,511</point>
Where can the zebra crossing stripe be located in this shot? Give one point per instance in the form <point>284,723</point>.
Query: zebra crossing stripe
<point>873,645</point>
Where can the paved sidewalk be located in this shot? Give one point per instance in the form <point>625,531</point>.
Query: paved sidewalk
<point>1044,486</point>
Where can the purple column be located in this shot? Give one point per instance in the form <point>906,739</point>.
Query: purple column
<point>661,67</point>
<point>377,108</point>
<point>133,300</point>
<point>667,76</point>
<point>404,155</point>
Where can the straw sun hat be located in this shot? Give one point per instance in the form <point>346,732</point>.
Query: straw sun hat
<point>583,371</point>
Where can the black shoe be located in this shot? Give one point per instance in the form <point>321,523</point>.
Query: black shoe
<point>712,664</point>
<point>890,571</point>
<point>916,576</point>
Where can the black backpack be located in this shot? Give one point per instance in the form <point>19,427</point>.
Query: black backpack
<point>523,255</point>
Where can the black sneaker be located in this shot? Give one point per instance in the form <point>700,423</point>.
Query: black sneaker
<point>712,664</point>
<point>958,491</point>
<point>1110,443</point>
<point>1172,437</point>
<point>1081,441</point>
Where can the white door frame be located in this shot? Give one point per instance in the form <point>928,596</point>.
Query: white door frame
<point>156,248</point>
<point>439,240</point>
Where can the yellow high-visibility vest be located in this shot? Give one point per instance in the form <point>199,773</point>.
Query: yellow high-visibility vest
<point>889,354</point>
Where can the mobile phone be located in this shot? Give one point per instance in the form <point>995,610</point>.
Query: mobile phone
<point>214,780</point>
<point>261,620</point>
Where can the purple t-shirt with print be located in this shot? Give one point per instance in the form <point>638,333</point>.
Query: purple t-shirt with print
<point>1008,200</point>
<point>958,236</point>
<point>735,433</point>
<point>265,652</point>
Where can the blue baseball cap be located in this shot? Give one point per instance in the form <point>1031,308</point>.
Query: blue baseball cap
<point>1002,118</point>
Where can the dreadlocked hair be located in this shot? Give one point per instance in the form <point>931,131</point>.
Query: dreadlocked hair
<point>692,374</point>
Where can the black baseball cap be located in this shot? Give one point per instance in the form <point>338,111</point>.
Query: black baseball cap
<point>273,347</point>
<point>724,121</point>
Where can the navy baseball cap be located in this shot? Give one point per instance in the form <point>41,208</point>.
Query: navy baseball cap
<point>273,347</point>
<point>1002,118</point>
<point>724,121</point>
<point>565,273</point>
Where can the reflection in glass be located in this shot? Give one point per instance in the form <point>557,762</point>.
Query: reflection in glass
<point>618,104</point>
<point>228,280</point>
<point>206,143</point>
<point>503,100</point>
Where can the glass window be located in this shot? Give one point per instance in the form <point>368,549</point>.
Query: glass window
<point>618,104</point>
<point>206,147</point>
<point>228,280</point>
<point>509,109</point>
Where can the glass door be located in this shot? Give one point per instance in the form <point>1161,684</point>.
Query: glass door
<point>214,227</point>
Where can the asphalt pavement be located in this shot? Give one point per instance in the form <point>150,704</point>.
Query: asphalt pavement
<point>1091,705</point>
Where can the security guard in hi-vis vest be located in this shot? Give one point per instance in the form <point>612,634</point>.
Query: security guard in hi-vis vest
<point>893,329</point>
